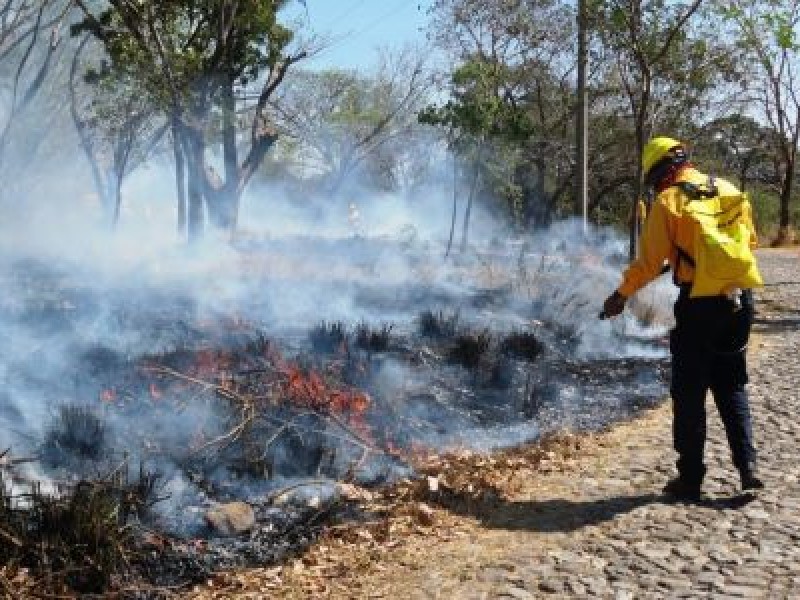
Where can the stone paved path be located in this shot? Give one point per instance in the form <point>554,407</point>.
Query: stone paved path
<point>602,529</point>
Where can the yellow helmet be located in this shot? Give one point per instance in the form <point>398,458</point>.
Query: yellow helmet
<point>656,149</point>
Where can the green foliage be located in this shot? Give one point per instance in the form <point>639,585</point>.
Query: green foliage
<point>183,52</point>
<point>480,108</point>
<point>511,105</point>
<point>766,212</point>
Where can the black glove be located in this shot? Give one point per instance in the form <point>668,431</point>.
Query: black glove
<point>613,305</point>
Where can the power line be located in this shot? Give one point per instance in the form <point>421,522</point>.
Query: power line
<point>371,25</point>
<point>348,11</point>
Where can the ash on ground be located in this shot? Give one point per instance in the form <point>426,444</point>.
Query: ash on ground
<point>261,382</point>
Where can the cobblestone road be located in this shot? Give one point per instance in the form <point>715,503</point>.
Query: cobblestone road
<point>727,546</point>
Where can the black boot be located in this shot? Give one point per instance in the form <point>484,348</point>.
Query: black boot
<point>750,481</point>
<point>681,489</point>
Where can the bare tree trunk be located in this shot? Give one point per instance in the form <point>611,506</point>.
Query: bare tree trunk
<point>785,233</point>
<point>195,162</point>
<point>230,198</point>
<point>468,210</point>
<point>638,183</point>
<point>180,174</point>
<point>582,128</point>
<point>115,197</point>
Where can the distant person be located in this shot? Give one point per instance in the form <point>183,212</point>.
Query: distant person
<point>703,227</point>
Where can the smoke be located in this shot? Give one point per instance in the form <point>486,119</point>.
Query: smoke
<point>83,303</point>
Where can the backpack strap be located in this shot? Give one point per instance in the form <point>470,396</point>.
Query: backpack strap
<point>683,255</point>
<point>695,192</point>
<point>699,192</point>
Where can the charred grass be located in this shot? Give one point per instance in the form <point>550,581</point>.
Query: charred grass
<point>77,432</point>
<point>373,339</point>
<point>438,325</point>
<point>328,337</point>
<point>522,345</point>
<point>78,540</point>
<point>469,348</point>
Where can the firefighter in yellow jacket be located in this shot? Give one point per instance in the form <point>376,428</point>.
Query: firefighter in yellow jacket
<point>710,337</point>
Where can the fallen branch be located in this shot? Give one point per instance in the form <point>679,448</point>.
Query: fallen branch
<point>11,538</point>
<point>228,438</point>
<point>222,391</point>
<point>350,440</point>
<point>284,427</point>
<point>310,483</point>
<point>349,430</point>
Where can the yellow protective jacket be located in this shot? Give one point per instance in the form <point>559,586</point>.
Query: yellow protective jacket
<point>666,229</point>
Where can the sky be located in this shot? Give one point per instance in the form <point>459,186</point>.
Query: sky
<point>359,28</point>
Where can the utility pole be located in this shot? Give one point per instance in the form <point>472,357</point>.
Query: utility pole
<point>582,120</point>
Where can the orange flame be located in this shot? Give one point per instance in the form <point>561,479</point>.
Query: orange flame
<point>310,390</point>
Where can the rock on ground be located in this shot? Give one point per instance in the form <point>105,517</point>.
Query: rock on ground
<point>234,518</point>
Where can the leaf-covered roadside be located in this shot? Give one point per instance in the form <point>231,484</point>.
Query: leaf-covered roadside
<point>446,503</point>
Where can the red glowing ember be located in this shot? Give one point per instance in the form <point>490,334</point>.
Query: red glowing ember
<point>310,390</point>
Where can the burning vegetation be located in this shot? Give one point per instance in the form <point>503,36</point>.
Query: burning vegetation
<point>246,442</point>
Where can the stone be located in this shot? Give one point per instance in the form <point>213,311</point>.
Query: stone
<point>233,518</point>
<point>709,578</point>
<point>551,587</point>
<point>516,592</point>
<point>653,552</point>
<point>425,514</point>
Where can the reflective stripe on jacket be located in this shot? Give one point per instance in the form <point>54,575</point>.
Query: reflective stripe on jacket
<point>666,229</point>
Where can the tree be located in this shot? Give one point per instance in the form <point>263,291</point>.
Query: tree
<point>656,57</point>
<point>211,66</point>
<point>512,95</point>
<point>739,144</point>
<point>30,37</point>
<point>117,128</point>
<point>344,122</point>
<point>768,32</point>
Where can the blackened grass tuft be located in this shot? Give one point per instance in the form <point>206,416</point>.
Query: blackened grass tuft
<point>77,432</point>
<point>469,348</point>
<point>373,340</point>
<point>522,345</point>
<point>328,338</point>
<point>437,324</point>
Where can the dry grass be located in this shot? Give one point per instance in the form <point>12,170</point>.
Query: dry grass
<point>373,340</point>
<point>77,541</point>
<point>469,348</point>
<point>328,338</point>
<point>438,325</point>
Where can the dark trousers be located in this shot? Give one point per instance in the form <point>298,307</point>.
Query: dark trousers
<point>708,347</point>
